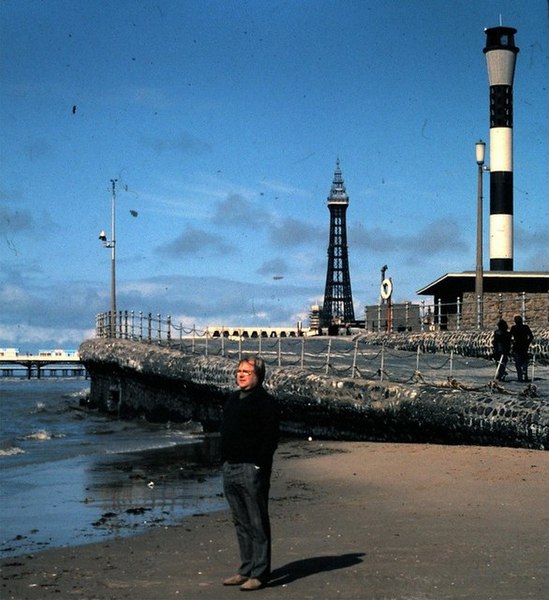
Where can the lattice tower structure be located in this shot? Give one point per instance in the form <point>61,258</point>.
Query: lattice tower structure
<point>338,298</point>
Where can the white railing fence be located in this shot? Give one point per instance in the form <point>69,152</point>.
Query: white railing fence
<point>400,358</point>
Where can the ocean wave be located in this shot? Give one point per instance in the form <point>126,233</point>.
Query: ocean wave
<point>11,451</point>
<point>41,435</point>
<point>186,427</point>
<point>132,447</point>
<point>83,393</point>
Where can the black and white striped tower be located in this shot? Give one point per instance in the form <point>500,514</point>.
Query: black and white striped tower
<point>501,54</point>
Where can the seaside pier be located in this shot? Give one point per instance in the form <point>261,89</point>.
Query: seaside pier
<point>46,363</point>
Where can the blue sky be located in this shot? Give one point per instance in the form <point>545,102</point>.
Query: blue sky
<point>222,123</point>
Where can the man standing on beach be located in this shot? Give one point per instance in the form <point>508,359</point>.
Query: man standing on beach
<point>249,437</point>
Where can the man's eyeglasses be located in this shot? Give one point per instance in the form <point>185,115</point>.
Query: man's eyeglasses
<point>244,372</point>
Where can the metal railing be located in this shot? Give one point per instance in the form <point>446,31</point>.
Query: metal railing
<point>142,327</point>
<point>346,356</point>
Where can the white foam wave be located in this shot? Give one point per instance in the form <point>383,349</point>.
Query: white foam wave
<point>11,451</point>
<point>129,449</point>
<point>41,435</point>
<point>83,393</point>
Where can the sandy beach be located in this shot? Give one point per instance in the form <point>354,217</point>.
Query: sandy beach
<point>360,520</point>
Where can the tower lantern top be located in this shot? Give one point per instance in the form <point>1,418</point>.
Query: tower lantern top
<point>500,38</point>
<point>501,55</point>
<point>338,194</point>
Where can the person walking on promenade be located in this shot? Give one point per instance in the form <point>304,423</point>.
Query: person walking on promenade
<point>522,338</point>
<point>249,438</point>
<point>502,348</point>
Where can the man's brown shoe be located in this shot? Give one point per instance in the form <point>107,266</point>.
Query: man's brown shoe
<point>251,585</point>
<point>235,580</point>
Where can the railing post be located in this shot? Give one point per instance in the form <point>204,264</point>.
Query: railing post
<point>451,362</point>
<point>223,341</point>
<point>382,367</point>
<point>126,324</point>
<point>328,355</point>
<point>206,347</point>
<point>159,328</point>
<point>302,351</point>
<point>140,326</point>
<point>169,328</point>
<point>422,324</point>
<point>239,344</point>
<point>354,358</point>
<point>279,351</point>
<point>132,325</point>
<point>149,328</point>
<point>193,336</point>
<point>458,314</point>
<point>523,306</point>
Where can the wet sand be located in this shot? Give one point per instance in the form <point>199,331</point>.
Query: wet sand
<point>354,520</point>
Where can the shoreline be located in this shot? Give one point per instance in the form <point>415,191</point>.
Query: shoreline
<point>350,520</point>
<point>88,498</point>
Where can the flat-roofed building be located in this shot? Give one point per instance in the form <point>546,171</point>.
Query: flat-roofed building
<point>505,294</point>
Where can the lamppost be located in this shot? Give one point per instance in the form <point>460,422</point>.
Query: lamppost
<point>112,245</point>
<point>480,148</point>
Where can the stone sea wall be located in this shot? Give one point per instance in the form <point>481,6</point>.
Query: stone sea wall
<point>142,380</point>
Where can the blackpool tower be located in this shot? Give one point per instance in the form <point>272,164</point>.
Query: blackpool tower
<point>338,299</point>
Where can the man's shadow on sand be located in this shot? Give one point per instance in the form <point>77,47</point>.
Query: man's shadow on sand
<point>309,566</point>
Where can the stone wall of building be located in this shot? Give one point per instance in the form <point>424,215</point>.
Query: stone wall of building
<point>534,307</point>
<point>134,379</point>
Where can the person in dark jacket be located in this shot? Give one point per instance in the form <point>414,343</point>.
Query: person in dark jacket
<point>249,438</point>
<point>502,348</point>
<point>522,338</point>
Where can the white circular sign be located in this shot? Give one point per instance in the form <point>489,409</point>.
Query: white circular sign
<point>386,289</point>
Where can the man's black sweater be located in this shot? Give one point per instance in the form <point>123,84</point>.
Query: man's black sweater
<point>250,428</point>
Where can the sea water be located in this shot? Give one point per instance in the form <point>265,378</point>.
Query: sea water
<point>70,475</point>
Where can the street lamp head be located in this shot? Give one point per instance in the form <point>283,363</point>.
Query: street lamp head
<point>102,236</point>
<point>480,148</point>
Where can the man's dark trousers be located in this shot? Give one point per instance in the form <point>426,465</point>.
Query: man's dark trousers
<point>246,488</point>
